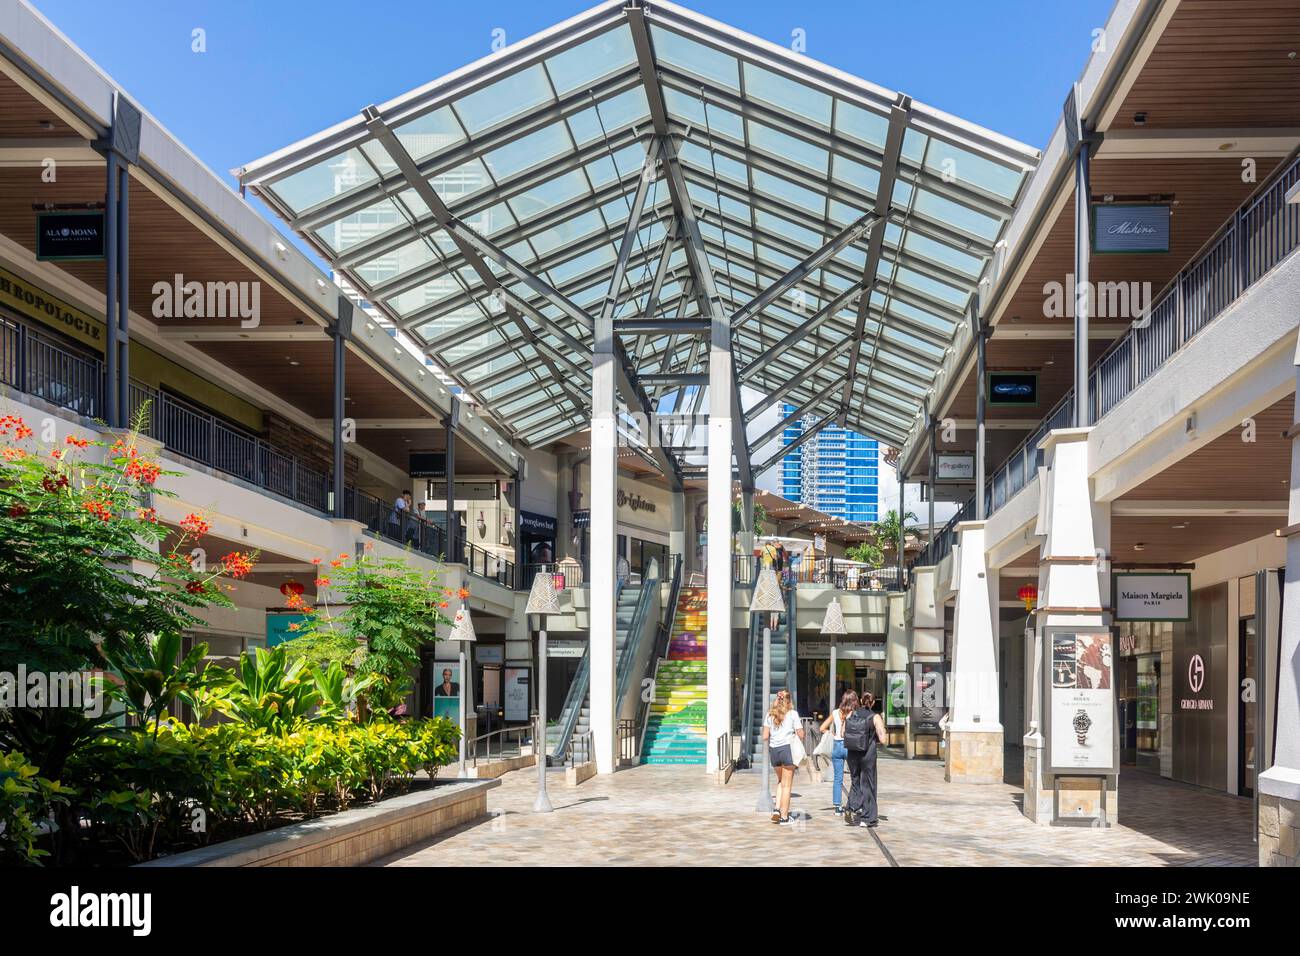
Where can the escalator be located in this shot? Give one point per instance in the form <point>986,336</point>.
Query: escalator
<point>782,675</point>
<point>632,605</point>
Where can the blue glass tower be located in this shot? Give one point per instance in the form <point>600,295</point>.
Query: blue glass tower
<point>836,471</point>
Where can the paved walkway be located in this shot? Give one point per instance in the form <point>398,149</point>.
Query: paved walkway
<point>667,815</point>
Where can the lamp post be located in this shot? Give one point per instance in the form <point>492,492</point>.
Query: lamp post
<point>766,600</point>
<point>542,600</point>
<point>462,632</point>
<point>832,628</point>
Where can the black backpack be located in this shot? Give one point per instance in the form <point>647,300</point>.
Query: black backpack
<point>859,729</point>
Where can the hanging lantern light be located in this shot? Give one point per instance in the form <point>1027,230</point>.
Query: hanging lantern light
<point>1029,594</point>
<point>291,587</point>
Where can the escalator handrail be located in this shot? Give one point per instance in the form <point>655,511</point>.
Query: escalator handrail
<point>632,644</point>
<point>747,725</point>
<point>576,695</point>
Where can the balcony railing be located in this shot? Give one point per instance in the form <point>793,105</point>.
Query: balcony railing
<point>36,365</point>
<point>1258,236</point>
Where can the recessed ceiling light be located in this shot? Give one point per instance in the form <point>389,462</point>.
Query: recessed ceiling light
<point>1140,546</point>
<point>1179,527</point>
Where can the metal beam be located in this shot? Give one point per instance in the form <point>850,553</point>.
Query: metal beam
<point>803,409</point>
<point>898,118</point>
<point>798,335</point>
<point>773,397</point>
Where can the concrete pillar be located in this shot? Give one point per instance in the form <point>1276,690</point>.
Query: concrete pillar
<point>925,643</point>
<point>563,507</point>
<point>677,534</point>
<point>604,487</point>
<point>745,539</point>
<point>1073,594</point>
<point>1279,785</point>
<point>974,731</point>
<point>718,573</point>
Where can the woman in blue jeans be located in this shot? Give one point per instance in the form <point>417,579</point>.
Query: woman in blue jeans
<point>835,724</point>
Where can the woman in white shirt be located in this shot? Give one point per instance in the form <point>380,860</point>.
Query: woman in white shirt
<point>780,728</point>
<point>835,723</point>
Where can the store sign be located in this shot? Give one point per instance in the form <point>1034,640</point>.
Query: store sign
<point>954,466</point>
<point>490,654</point>
<point>635,502</point>
<point>428,464</point>
<point>1013,388</point>
<point>537,525</point>
<point>1082,702</point>
<point>571,649</point>
<point>1197,697</point>
<point>69,235</point>
<point>1126,229</point>
<point>1152,597</point>
<point>35,303</point>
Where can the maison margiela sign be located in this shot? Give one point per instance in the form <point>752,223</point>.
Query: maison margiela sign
<point>1152,597</point>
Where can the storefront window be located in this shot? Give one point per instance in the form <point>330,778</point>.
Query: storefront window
<point>1140,645</point>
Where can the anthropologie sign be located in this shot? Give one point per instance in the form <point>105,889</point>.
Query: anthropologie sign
<point>1152,597</point>
<point>1082,701</point>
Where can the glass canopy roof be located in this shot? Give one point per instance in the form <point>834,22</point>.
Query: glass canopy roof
<point>487,214</point>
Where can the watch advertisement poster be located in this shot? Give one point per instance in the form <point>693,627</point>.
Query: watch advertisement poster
<point>1082,701</point>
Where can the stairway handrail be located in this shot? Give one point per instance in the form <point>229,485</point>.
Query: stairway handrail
<point>632,645</point>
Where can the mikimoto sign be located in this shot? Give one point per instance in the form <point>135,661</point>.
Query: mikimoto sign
<point>1153,597</point>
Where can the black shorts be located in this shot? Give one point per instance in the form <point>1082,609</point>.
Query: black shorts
<point>780,756</point>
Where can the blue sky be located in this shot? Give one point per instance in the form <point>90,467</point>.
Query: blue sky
<point>278,70</point>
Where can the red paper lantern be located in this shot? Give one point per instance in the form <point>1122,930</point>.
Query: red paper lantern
<point>291,587</point>
<point>1029,594</point>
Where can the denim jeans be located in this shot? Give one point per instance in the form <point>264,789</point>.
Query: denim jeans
<point>838,753</point>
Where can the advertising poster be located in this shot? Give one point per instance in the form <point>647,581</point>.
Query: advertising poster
<point>446,691</point>
<point>929,697</point>
<point>1147,716</point>
<point>896,699</point>
<point>1083,702</point>
<point>516,697</point>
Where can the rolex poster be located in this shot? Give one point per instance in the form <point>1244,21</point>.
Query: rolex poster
<point>1083,701</point>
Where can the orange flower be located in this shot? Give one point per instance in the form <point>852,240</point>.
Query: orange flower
<point>194,524</point>
<point>322,582</point>
<point>463,594</point>
<point>14,454</point>
<point>100,509</point>
<point>78,442</point>
<point>147,514</point>
<point>442,604</point>
<point>315,560</point>
<point>237,564</point>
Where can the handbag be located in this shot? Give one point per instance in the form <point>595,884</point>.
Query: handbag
<point>797,753</point>
<point>826,746</point>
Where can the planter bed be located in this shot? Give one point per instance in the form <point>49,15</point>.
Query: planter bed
<point>353,837</point>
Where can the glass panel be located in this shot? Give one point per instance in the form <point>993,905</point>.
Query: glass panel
<point>548,195</point>
<point>856,175</point>
<point>789,148</point>
<point>809,201</point>
<point>364,224</point>
<point>532,150</point>
<point>956,215</point>
<point>330,177</point>
<point>567,232</point>
<point>405,258</point>
<point>854,122</point>
<point>944,254</point>
<point>593,60</point>
<point>689,109</point>
<point>413,300</point>
<point>623,162</point>
<point>430,133</point>
<point>702,61</point>
<point>788,230</point>
<point>456,185</point>
<point>506,98</point>
<point>703,160</point>
<point>946,159</point>
<point>787,95</point>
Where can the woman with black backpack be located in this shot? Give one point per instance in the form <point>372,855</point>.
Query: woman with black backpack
<point>864,730</point>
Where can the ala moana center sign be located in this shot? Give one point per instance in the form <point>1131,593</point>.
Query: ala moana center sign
<point>1153,597</point>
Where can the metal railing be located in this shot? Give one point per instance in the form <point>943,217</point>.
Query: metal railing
<point>509,743</point>
<point>629,740</point>
<point>1255,239</point>
<point>572,574</point>
<point>723,748</point>
<point>31,363</point>
<point>580,750</point>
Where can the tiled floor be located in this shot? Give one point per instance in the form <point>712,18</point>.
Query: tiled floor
<point>665,815</point>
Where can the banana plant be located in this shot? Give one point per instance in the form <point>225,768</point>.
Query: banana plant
<point>271,691</point>
<point>154,675</point>
<point>338,691</point>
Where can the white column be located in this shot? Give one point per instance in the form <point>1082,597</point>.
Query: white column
<point>974,731</point>
<point>604,484</point>
<point>677,536</point>
<point>925,643</point>
<point>1279,785</point>
<point>718,571</point>
<point>1073,593</point>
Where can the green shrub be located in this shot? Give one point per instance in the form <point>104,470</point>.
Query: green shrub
<point>25,798</point>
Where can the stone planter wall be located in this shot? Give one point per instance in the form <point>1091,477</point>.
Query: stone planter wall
<point>353,837</point>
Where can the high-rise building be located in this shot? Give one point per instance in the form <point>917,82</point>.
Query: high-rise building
<point>836,471</point>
